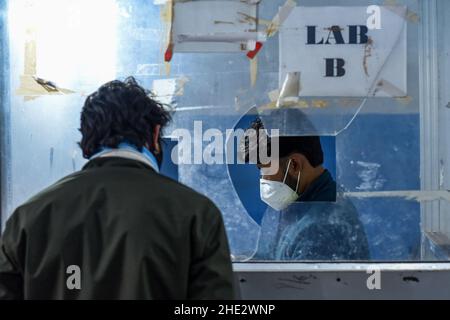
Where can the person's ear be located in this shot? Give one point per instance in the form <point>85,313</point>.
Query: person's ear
<point>156,145</point>
<point>296,164</point>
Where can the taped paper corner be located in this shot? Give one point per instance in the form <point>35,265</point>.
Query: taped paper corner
<point>32,87</point>
<point>280,17</point>
<point>166,90</point>
<point>402,11</point>
<point>289,93</point>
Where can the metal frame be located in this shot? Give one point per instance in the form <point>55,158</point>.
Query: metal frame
<point>338,266</point>
<point>4,111</point>
<point>429,117</point>
<point>444,113</point>
<point>342,281</point>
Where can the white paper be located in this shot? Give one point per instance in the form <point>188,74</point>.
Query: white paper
<point>364,65</point>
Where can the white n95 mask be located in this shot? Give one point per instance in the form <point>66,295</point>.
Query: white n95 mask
<point>278,195</point>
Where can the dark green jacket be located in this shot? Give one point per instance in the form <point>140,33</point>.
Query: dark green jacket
<point>133,233</point>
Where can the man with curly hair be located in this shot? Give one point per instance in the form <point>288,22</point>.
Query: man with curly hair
<point>117,229</point>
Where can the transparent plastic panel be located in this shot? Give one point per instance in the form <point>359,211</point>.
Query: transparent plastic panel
<point>390,165</point>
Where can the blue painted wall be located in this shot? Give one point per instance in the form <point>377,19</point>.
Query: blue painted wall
<point>393,143</point>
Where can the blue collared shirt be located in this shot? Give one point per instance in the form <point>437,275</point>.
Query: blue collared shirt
<point>147,156</point>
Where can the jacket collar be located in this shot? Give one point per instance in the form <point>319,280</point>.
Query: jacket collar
<point>128,151</point>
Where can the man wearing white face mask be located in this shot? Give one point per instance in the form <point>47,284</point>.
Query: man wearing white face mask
<point>277,194</point>
<point>280,194</point>
<point>306,220</point>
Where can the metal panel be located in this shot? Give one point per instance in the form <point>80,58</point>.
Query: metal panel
<point>429,111</point>
<point>444,111</point>
<point>342,281</point>
<point>434,46</point>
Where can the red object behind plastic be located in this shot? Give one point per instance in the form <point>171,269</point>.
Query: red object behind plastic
<point>252,54</point>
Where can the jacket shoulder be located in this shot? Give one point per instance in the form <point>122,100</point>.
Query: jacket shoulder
<point>137,182</point>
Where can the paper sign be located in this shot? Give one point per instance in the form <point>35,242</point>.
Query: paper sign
<point>337,54</point>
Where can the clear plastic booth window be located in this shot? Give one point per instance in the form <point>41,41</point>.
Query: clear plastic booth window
<point>364,79</point>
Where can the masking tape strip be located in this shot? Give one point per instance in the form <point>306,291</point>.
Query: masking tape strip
<point>166,90</point>
<point>30,53</point>
<point>291,89</point>
<point>264,22</point>
<point>167,16</point>
<point>280,17</point>
<point>253,70</point>
<point>159,2</point>
<point>402,11</point>
<point>393,91</point>
<point>301,104</point>
<point>31,87</point>
<point>274,95</point>
<point>181,83</point>
<point>164,2</point>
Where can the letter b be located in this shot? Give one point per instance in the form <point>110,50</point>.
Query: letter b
<point>335,67</point>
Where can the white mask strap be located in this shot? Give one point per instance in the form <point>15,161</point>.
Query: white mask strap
<point>298,181</point>
<point>285,175</point>
<point>287,170</point>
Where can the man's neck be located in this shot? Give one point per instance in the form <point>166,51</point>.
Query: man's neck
<point>312,176</point>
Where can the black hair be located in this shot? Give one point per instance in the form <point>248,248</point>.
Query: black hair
<point>308,146</point>
<point>120,111</point>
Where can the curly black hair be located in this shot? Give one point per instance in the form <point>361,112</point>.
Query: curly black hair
<point>120,111</point>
